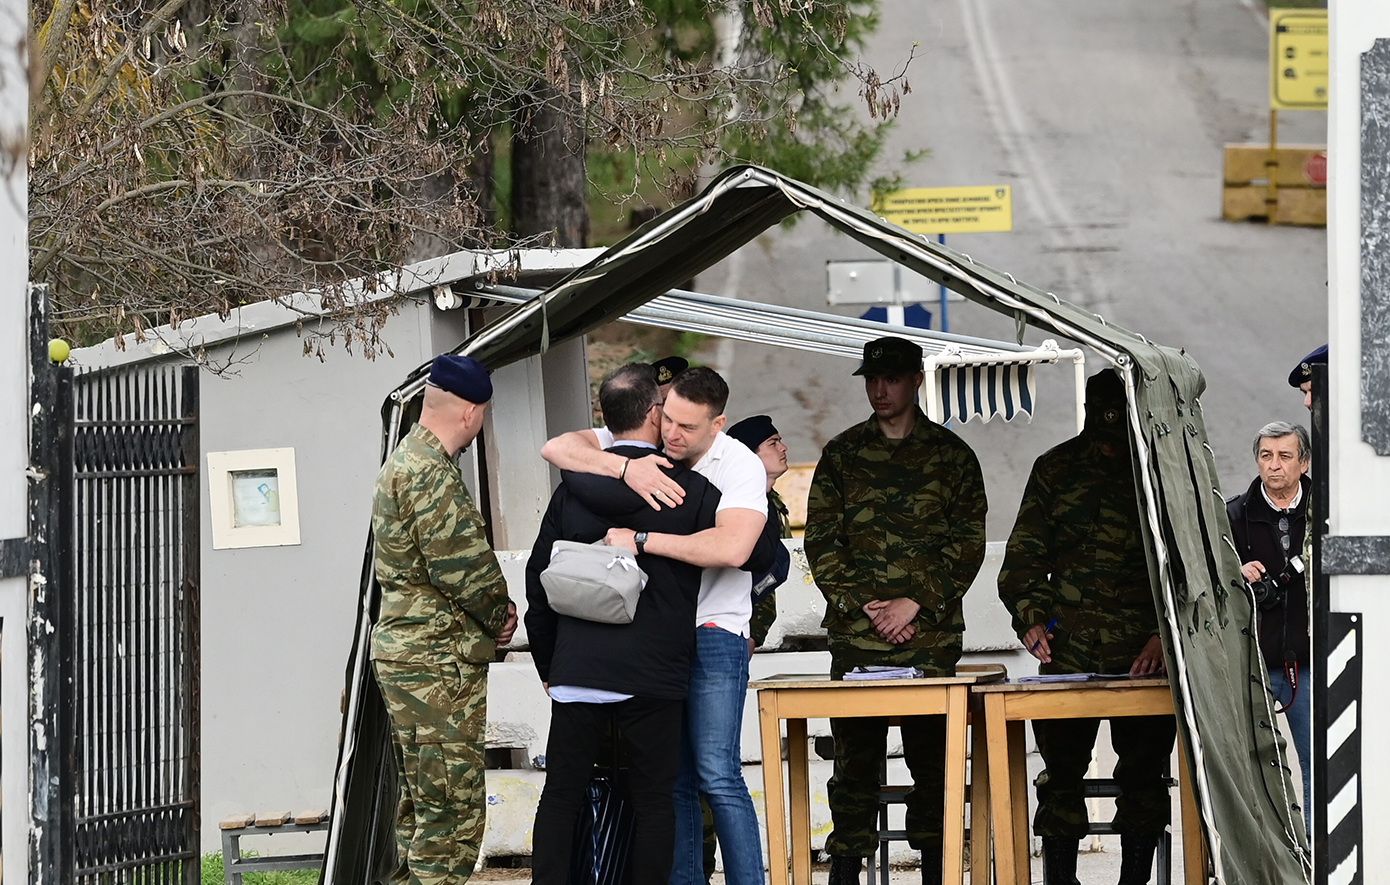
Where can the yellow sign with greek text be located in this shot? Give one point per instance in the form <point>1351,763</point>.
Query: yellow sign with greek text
<point>1298,59</point>
<point>948,210</point>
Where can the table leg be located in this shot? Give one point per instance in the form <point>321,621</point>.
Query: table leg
<point>769,725</point>
<point>979,800</point>
<point>953,831</point>
<point>1001,814</point>
<point>1194,848</point>
<point>1018,798</point>
<point>799,783</point>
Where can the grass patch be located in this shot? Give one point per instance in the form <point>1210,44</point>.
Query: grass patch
<point>213,874</point>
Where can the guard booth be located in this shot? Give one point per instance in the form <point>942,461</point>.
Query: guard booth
<point>1219,685</point>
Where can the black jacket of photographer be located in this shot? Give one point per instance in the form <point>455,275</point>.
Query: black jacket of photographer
<point>650,657</point>
<point>1255,524</point>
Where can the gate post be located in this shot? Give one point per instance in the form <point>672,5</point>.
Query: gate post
<point>50,582</point>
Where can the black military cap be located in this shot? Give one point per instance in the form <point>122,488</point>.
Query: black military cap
<point>890,356</point>
<point>1105,405</point>
<point>462,376</point>
<point>753,432</point>
<point>1304,370</point>
<point>669,368</point>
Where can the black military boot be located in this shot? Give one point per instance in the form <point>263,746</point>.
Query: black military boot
<point>1136,858</point>
<point>931,865</point>
<point>845,870</point>
<point>1059,860</point>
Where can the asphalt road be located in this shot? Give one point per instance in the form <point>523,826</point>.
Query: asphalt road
<point>1108,118</point>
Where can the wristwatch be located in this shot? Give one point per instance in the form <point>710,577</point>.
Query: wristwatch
<point>641,541</point>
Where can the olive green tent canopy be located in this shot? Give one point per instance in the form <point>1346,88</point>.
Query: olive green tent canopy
<point>1248,807</point>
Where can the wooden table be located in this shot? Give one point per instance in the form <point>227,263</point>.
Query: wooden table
<point>1008,705</point>
<point>798,698</point>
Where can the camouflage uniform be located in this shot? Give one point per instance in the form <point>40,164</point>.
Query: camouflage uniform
<point>887,519</point>
<point>1077,554</point>
<point>443,599</point>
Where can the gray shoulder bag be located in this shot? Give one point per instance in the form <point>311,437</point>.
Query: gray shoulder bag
<point>593,581</point>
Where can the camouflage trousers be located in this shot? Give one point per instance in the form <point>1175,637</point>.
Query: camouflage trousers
<point>861,748</point>
<point>438,716</point>
<point>1143,745</point>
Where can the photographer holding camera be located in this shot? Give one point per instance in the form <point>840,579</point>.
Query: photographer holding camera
<point>1269,522</point>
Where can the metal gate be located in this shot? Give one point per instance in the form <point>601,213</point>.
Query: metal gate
<point>131,668</point>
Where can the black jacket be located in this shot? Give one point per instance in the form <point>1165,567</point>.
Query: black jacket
<point>1284,628</point>
<point>650,657</point>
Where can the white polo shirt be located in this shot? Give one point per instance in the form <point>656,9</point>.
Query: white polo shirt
<point>726,598</point>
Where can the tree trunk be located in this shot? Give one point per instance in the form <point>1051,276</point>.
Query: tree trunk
<point>549,184</point>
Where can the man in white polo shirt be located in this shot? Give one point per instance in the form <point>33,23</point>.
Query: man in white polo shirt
<point>711,762</point>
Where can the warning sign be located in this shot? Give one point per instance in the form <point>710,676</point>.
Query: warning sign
<point>1298,60</point>
<point>948,210</point>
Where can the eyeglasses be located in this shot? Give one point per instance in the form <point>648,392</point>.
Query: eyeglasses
<point>1284,534</point>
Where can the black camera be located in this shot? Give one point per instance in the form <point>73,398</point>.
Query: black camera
<point>1269,591</point>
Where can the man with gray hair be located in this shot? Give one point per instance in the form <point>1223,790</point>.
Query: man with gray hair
<point>1269,522</point>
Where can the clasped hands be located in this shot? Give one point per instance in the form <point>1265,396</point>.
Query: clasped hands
<point>892,618</point>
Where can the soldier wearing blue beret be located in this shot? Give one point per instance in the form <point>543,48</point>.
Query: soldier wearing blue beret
<point>444,613</point>
<point>1302,374</point>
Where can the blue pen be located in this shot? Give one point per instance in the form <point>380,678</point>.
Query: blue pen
<point>1046,630</point>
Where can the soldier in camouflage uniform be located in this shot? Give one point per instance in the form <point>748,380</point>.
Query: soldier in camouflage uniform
<point>1076,555</point>
<point>444,611</point>
<point>895,533</point>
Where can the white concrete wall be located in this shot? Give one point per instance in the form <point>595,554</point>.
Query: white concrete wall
<point>1359,478</point>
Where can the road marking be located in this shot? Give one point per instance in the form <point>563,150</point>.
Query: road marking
<point>1084,286</point>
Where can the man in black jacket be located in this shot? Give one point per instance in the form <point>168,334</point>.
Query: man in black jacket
<point>1269,522</point>
<point>633,675</point>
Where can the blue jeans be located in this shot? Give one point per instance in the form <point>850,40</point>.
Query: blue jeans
<point>711,764</point>
<point>1300,723</point>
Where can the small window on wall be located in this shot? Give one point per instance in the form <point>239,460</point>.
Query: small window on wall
<point>254,498</point>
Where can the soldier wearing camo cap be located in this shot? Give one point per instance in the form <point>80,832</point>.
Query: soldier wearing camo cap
<point>444,611</point>
<point>1076,556</point>
<point>895,532</point>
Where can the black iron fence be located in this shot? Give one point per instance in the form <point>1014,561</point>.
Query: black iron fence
<point>131,721</point>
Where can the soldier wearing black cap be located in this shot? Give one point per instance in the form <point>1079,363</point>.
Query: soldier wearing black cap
<point>666,371</point>
<point>1076,580</point>
<point>895,532</point>
<point>1302,374</point>
<point>758,434</point>
<point>444,612</point>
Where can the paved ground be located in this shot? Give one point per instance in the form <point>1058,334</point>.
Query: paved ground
<point>1107,117</point>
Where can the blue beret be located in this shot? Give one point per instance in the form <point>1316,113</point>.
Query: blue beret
<point>462,376</point>
<point>754,431</point>
<point>669,368</point>
<point>1304,370</point>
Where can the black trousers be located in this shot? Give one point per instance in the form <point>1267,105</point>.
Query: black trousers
<point>651,730</point>
<point>1143,745</point>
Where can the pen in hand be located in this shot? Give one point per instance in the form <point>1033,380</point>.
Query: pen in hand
<point>1046,630</point>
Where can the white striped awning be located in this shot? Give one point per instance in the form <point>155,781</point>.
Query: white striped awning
<point>986,391</point>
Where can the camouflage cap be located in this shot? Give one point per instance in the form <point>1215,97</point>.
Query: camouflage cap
<point>890,356</point>
<point>1304,370</point>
